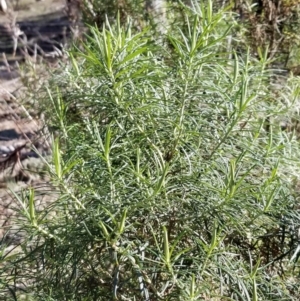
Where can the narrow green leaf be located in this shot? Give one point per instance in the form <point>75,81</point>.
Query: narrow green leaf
<point>131,56</point>
<point>270,199</point>
<point>122,223</point>
<point>236,68</point>
<point>74,64</point>
<point>161,181</point>
<point>104,230</point>
<point>166,247</point>
<point>32,207</point>
<point>192,287</point>
<point>57,159</point>
<point>107,142</point>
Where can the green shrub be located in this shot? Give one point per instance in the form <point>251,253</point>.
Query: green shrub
<point>174,174</point>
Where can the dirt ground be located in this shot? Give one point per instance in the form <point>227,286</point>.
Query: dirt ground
<point>29,9</point>
<point>29,29</point>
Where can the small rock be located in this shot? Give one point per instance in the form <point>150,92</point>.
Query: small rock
<point>6,149</point>
<point>3,5</point>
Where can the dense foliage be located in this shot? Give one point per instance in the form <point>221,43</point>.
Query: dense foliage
<point>176,169</point>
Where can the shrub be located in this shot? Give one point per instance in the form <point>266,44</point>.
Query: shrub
<point>174,174</point>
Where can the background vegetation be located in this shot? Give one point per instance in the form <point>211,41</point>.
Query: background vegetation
<point>176,160</point>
